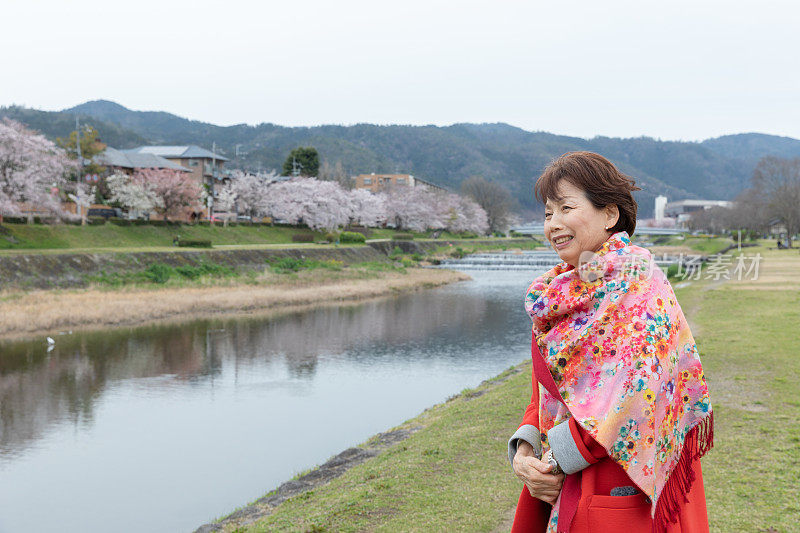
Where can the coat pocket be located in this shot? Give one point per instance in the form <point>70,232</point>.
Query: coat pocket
<point>630,514</point>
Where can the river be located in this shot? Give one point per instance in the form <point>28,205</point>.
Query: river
<point>165,428</point>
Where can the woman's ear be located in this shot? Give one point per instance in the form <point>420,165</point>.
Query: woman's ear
<point>612,215</point>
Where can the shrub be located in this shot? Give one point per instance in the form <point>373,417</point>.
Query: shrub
<point>469,235</point>
<point>95,221</point>
<point>366,232</point>
<point>158,272</point>
<point>407,262</point>
<point>458,253</point>
<point>204,269</point>
<point>194,243</point>
<point>303,237</point>
<point>416,257</point>
<point>396,251</point>
<point>351,236</point>
<point>403,236</point>
<point>332,236</point>
<point>120,221</point>
<point>285,264</point>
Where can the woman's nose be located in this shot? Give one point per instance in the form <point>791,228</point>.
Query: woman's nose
<point>555,222</point>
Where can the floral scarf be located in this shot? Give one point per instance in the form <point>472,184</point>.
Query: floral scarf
<point>626,365</point>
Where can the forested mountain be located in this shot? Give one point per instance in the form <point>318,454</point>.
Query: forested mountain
<point>714,169</point>
<point>60,123</point>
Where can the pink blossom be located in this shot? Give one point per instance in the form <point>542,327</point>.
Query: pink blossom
<point>174,190</point>
<point>30,168</point>
<point>369,209</point>
<point>317,204</point>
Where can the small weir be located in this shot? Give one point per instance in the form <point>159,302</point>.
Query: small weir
<point>527,260</point>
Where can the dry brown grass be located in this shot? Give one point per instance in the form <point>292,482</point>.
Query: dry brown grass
<point>46,312</point>
<point>777,270</point>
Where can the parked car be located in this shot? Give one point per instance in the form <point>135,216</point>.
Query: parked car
<point>105,212</point>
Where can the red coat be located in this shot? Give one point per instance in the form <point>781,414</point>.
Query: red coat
<point>597,510</point>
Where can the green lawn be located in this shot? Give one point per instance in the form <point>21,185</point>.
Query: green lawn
<point>453,474</point>
<point>63,236</point>
<point>109,236</point>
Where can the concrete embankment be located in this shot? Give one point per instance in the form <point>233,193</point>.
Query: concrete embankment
<point>44,271</point>
<point>48,271</point>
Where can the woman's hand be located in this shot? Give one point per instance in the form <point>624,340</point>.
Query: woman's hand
<point>535,474</point>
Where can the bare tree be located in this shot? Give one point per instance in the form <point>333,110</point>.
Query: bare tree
<point>335,172</point>
<point>750,211</point>
<point>493,198</point>
<point>778,180</point>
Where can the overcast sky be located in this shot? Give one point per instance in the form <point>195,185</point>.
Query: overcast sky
<point>684,70</point>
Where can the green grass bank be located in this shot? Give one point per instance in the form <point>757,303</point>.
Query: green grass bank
<point>453,474</point>
<point>62,237</point>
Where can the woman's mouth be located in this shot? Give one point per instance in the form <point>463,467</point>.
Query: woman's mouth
<point>562,242</point>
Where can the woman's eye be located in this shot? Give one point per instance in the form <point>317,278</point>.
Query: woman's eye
<point>566,207</point>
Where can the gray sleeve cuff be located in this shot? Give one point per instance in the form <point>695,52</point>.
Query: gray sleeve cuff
<point>565,450</point>
<point>529,434</point>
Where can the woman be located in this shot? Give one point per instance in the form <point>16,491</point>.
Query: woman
<point>620,414</point>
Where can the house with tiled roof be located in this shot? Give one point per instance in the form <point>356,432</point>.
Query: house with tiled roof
<point>129,161</point>
<point>205,165</point>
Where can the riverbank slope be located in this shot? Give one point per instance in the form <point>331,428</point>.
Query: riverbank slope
<point>450,471</point>
<point>47,312</point>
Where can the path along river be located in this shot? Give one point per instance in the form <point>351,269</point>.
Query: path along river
<point>165,428</point>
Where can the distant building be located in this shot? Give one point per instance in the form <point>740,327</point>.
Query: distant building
<point>128,162</point>
<point>204,165</point>
<point>682,210</point>
<point>661,203</point>
<point>376,182</point>
<point>428,185</point>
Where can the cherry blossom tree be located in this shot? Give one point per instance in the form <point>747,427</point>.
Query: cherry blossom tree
<point>175,190</point>
<point>226,198</point>
<point>317,204</point>
<point>32,168</point>
<point>421,209</point>
<point>138,196</point>
<point>369,209</point>
<point>463,214</point>
<point>250,191</point>
<point>82,197</point>
<point>414,208</point>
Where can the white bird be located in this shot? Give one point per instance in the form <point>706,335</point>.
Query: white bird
<point>50,341</point>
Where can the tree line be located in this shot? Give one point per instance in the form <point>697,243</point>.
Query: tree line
<point>773,197</point>
<point>35,172</point>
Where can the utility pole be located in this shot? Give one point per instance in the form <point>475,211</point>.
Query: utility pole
<point>78,147</point>
<point>80,165</point>
<point>296,167</point>
<point>211,196</point>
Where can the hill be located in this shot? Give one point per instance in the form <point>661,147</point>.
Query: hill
<point>716,169</point>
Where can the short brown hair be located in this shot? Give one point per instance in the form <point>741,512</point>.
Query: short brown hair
<point>600,181</point>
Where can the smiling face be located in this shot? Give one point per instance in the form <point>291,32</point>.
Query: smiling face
<point>573,215</point>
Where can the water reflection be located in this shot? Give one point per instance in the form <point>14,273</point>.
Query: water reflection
<point>214,409</point>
